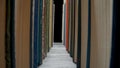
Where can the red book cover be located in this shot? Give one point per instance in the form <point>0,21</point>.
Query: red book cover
<point>67,25</point>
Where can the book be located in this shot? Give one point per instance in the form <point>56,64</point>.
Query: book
<point>70,25</point>
<point>89,35</point>
<point>32,35</point>
<point>36,33</point>
<point>46,26</point>
<point>67,25</point>
<point>50,23</point>
<point>84,32</point>
<point>43,31</point>
<point>22,33</point>
<point>115,56</point>
<point>101,33</point>
<point>79,36</point>
<point>63,23</point>
<point>9,35</point>
<point>2,33</point>
<point>40,33</point>
<point>72,28</point>
<point>76,32</point>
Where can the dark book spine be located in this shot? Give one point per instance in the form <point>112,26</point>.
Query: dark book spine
<point>36,34</point>
<point>79,36</point>
<point>31,35</point>
<point>10,41</point>
<point>40,34</point>
<point>115,55</point>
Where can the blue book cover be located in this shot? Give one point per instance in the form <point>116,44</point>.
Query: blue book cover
<point>40,34</point>
<point>89,35</point>
<point>36,24</point>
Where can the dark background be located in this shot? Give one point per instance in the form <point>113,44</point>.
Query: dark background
<point>58,21</point>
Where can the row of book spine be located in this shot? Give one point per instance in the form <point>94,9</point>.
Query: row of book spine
<point>91,32</point>
<point>26,31</point>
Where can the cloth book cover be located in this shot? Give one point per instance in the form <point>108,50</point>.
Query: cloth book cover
<point>67,25</point>
<point>43,30</point>
<point>101,33</point>
<point>50,23</point>
<point>9,36</point>
<point>76,32</point>
<point>40,33</point>
<point>72,27</point>
<point>84,32</point>
<point>2,33</point>
<point>36,33</point>
<point>22,33</point>
<point>115,55</point>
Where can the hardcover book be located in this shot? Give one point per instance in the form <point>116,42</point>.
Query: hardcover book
<point>101,33</point>
<point>22,34</point>
<point>2,33</point>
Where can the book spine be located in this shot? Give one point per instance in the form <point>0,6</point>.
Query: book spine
<point>2,33</point>
<point>36,26</point>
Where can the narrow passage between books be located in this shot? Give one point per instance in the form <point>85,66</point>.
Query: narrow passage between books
<point>58,58</point>
<point>88,33</point>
